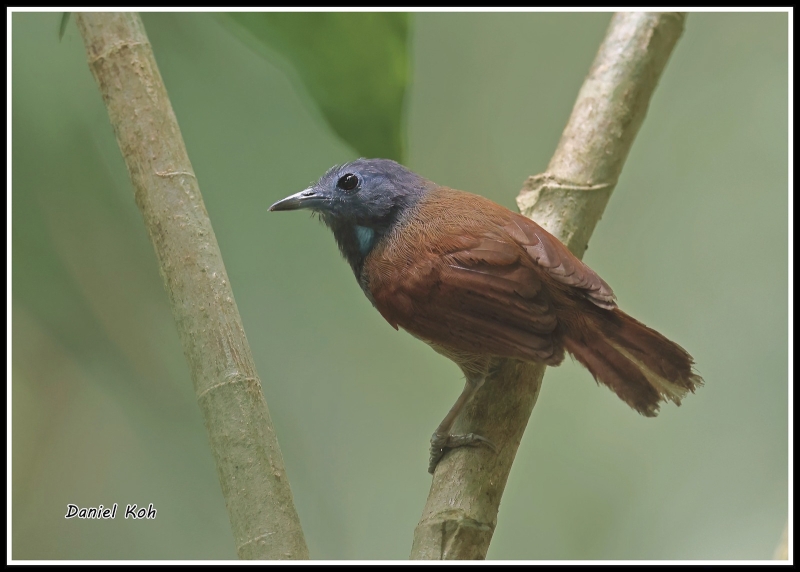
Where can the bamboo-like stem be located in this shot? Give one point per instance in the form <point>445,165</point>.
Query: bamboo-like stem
<point>568,199</point>
<point>249,462</point>
<point>782,551</point>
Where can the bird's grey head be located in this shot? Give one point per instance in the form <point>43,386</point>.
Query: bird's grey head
<point>360,201</point>
<point>365,192</point>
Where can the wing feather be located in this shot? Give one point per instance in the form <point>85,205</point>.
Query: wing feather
<point>547,251</point>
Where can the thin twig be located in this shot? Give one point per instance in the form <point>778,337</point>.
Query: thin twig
<point>461,512</point>
<point>249,462</point>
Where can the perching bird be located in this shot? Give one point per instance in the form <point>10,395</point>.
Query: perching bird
<point>478,282</point>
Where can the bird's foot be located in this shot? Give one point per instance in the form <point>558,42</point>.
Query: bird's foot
<point>441,443</point>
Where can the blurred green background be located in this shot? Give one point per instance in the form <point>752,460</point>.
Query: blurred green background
<point>694,243</point>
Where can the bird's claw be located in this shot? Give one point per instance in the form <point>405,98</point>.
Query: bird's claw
<point>441,443</point>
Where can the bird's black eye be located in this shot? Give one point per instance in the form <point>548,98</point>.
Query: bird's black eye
<point>347,182</point>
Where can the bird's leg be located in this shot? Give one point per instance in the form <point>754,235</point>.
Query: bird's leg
<point>443,440</point>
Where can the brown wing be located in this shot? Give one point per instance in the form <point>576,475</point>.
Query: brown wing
<point>556,259</point>
<point>484,299</point>
<point>466,273</point>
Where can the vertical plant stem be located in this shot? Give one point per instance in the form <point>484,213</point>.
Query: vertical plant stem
<point>568,199</point>
<point>782,551</point>
<point>249,462</point>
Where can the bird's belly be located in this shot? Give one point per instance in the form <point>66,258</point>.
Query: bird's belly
<point>470,363</point>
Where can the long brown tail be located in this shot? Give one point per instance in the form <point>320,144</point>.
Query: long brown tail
<point>640,365</point>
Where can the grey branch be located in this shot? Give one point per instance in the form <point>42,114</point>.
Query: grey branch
<point>461,512</point>
<point>249,462</point>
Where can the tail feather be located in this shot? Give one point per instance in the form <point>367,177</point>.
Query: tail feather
<point>640,365</point>
<point>658,354</point>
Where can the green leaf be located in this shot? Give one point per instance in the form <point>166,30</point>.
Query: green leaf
<point>355,66</point>
<point>63,26</point>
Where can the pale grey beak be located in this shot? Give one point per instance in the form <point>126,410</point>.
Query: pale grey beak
<point>307,199</point>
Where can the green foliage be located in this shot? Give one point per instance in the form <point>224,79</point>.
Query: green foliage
<point>355,66</point>
<point>63,25</point>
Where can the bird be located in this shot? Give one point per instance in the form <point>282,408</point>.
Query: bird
<point>480,283</point>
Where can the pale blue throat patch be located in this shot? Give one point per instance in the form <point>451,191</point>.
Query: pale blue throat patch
<point>365,236</point>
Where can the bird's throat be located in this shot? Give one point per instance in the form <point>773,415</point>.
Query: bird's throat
<point>355,242</point>
<point>366,239</point>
